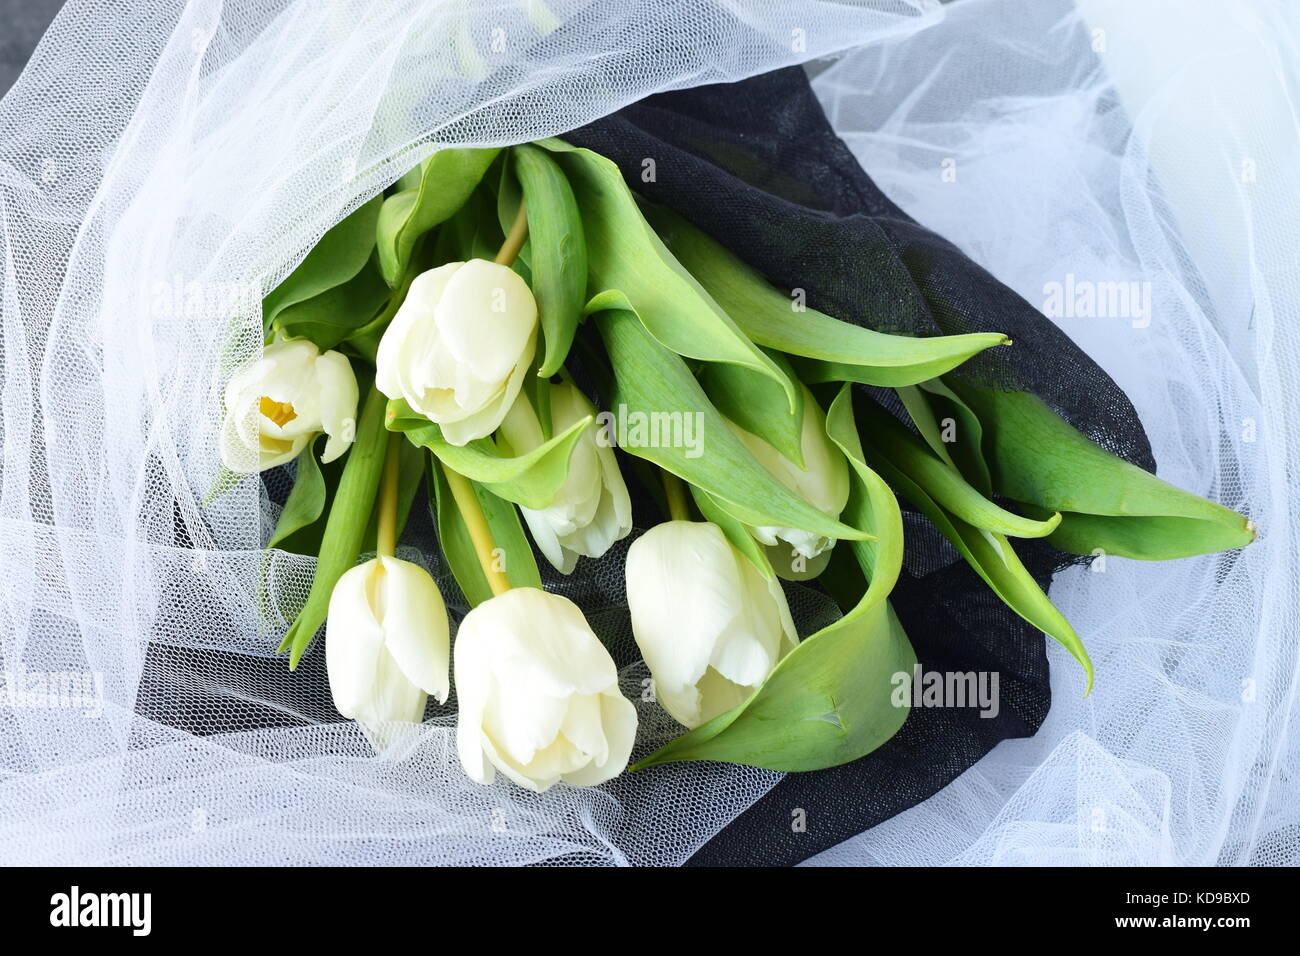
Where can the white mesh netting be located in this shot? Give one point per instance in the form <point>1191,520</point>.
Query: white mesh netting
<point>161,166</point>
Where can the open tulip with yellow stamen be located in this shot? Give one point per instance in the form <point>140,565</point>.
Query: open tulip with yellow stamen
<point>276,405</point>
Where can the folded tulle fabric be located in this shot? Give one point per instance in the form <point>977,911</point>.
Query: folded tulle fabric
<point>158,295</point>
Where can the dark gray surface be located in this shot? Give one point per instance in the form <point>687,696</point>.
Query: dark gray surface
<point>21,24</point>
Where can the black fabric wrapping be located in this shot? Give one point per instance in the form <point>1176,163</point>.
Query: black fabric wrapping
<point>756,165</point>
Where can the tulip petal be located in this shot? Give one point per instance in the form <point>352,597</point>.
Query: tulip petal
<point>684,593</point>
<point>618,718</point>
<point>613,519</point>
<point>354,641</point>
<point>522,720</point>
<point>484,421</point>
<point>239,440</point>
<point>520,775</point>
<point>583,731</point>
<point>486,316</point>
<point>548,542</point>
<point>751,647</point>
<point>717,695</point>
<point>471,693</point>
<point>531,676</point>
<point>274,452</point>
<point>393,699</point>
<point>415,626</point>
<point>416,311</point>
<point>520,429</point>
<point>337,385</point>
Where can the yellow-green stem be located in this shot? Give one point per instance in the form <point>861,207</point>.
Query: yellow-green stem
<point>386,538</point>
<point>471,512</point>
<point>678,507</point>
<point>515,240</point>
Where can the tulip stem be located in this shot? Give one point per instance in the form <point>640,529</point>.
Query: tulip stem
<point>515,240</point>
<point>386,538</point>
<point>471,512</point>
<point>678,507</point>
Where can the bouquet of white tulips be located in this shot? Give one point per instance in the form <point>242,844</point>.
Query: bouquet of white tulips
<point>512,329</point>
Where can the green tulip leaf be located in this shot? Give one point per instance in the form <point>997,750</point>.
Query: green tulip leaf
<point>654,389</point>
<point>1109,505</point>
<point>834,697</point>
<point>1143,537</point>
<point>757,404</point>
<point>306,501</point>
<point>447,179</point>
<point>471,233</point>
<point>829,349</point>
<point>625,254</point>
<point>843,579</point>
<point>346,525</point>
<point>514,553</point>
<point>871,502</point>
<point>951,428</point>
<point>989,553</point>
<point>557,260</point>
<point>335,314</point>
<point>530,479</point>
<point>944,483</point>
<point>339,256</point>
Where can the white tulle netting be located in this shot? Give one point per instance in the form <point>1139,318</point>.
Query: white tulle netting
<point>162,165</point>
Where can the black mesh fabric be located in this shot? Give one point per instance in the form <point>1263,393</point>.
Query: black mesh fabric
<point>756,165</point>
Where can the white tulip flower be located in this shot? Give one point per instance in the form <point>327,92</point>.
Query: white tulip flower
<point>538,692</point>
<point>592,509</point>
<point>709,625</point>
<point>387,643</point>
<point>823,481</point>
<point>458,348</point>
<point>276,405</point>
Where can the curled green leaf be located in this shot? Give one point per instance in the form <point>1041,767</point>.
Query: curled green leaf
<point>989,553</point>
<point>1108,505</point>
<point>951,428</point>
<point>306,501</point>
<point>758,404</point>
<point>446,180</point>
<point>668,420</point>
<point>558,251</point>
<point>828,349</point>
<point>337,258</point>
<point>530,479</point>
<point>833,698</point>
<point>627,258</point>
<point>944,483</point>
<point>336,314</point>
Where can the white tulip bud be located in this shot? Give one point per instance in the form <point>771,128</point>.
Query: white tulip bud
<point>538,693</point>
<point>458,348</point>
<point>823,481</point>
<point>387,643</point>
<point>276,405</point>
<point>592,509</point>
<point>709,625</point>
